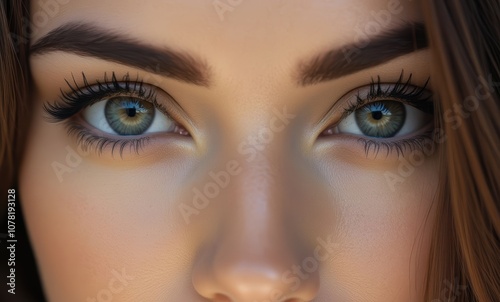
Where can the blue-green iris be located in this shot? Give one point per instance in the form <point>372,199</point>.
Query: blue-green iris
<point>129,116</point>
<point>381,119</point>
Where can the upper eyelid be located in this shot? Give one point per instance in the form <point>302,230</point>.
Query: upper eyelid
<point>120,86</point>
<point>70,102</point>
<point>361,102</point>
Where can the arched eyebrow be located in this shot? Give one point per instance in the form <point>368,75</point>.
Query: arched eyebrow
<point>354,57</point>
<point>89,40</point>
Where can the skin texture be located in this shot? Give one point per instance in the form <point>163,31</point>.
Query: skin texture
<point>301,217</point>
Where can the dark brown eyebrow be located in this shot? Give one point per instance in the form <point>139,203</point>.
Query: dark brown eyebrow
<point>88,40</point>
<point>354,57</point>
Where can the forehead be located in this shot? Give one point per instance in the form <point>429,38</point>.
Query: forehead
<point>233,30</point>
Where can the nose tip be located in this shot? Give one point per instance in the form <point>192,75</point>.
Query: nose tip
<point>250,284</point>
<point>253,277</point>
<point>222,298</point>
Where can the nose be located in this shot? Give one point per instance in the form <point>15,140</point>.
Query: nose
<point>248,267</point>
<point>255,253</point>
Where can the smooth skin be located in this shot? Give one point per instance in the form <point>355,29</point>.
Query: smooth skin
<point>295,217</point>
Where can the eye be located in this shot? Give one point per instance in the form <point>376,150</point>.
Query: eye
<point>126,111</point>
<point>127,115</point>
<point>383,119</point>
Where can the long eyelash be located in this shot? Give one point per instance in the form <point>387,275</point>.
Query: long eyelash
<point>402,91</point>
<point>400,147</point>
<point>81,97</point>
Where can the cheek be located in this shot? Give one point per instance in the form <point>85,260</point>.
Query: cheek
<point>382,233</point>
<point>88,221</point>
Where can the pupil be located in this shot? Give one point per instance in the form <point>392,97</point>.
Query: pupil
<point>130,112</point>
<point>377,115</point>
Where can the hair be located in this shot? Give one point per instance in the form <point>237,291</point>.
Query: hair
<point>14,124</point>
<point>464,39</point>
<point>13,87</point>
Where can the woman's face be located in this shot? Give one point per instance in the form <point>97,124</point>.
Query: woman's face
<point>229,150</point>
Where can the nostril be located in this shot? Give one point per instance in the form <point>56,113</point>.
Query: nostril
<point>221,298</point>
<point>224,298</point>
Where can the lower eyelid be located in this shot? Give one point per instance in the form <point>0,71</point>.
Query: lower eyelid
<point>356,148</point>
<point>400,148</point>
<point>89,141</point>
<point>99,142</point>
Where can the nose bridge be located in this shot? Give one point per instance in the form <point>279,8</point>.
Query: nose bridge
<point>257,206</point>
<point>258,200</point>
<point>254,251</point>
<point>261,153</point>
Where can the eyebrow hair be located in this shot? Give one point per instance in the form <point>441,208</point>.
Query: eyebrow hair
<point>354,57</point>
<point>88,40</point>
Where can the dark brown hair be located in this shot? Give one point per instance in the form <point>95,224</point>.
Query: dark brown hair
<point>464,38</point>
<point>465,255</point>
<point>14,123</point>
<point>13,87</point>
